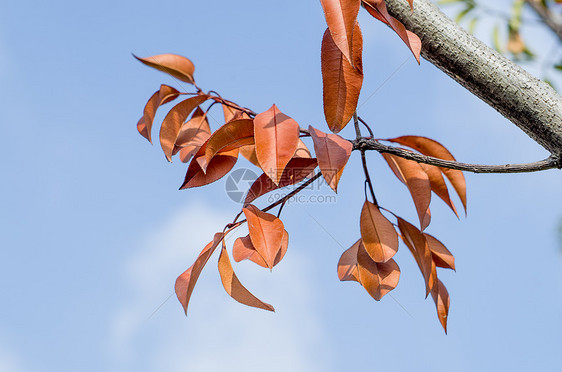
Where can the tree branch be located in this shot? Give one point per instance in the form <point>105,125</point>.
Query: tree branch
<point>529,103</point>
<point>552,20</point>
<point>550,163</point>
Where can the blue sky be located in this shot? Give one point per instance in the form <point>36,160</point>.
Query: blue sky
<point>94,231</point>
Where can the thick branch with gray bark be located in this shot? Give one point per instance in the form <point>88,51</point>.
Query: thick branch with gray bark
<point>526,101</point>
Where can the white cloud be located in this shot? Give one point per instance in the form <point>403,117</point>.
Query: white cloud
<point>9,361</point>
<point>219,333</point>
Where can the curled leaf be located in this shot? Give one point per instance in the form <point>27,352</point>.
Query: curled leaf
<point>438,185</point>
<point>193,134</point>
<point>296,170</point>
<point>332,152</point>
<point>174,120</point>
<point>442,302</point>
<point>378,278</point>
<point>430,147</point>
<point>186,281</point>
<point>266,233</point>
<point>234,288</point>
<point>164,95</point>
<point>341,80</point>
<point>414,177</point>
<point>178,66</point>
<point>232,135</point>
<point>377,8</point>
<point>441,255</point>
<point>216,169</point>
<point>243,249</point>
<point>378,235</point>
<point>347,265</point>
<point>417,244</point>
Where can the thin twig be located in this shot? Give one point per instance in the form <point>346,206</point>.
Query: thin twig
<point>368,177</point>
<point>282,200</point>
<point>552,20</point>
<point>366,126</point>
<point>551,162</point>
<point>357,129</point>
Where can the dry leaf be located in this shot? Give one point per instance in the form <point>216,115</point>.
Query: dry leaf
<point>430,147</point>
<point>442,302</point>
<point>234,288</point>
<point>164,95</point>
<point>243,249</point>
<point>376,277</point>
<point>341,80</point>
<point>441,255</point>
<point>332,152</point>
<point>414,177</point>
<point>216,169</point>
<point>347,265</point>
<point>174,120</point>
<point>377,8</point>
<point>178,66</point>
<point>378,234</point>
<point>277,138</point>
<point>341,16</point>
<point>230,136</point>
<point>296,170</point>
<point>416,242</point>
<point>266,233</point>
<point>186,281</point>
<point>438,185</point>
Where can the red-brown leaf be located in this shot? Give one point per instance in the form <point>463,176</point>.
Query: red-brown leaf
<point>377,8</point>
<point>232,135</point>
<point>249,152</point>
<point>332,152</point>
<point>195,130</point>
<point>266,233</point>
<point>163,95</point>
<point>438,185</point>
<point>430,147</point>
<point>243,249</point>
<point>296,170</point>
<point>378,234</point>
<point>341,80</point>
<point>234,288</point>
<point>277,138</point>
<point>283,248</point>
<point>341,16</point>
<point>415,241</point>
<point>302,151</point>
<point>178,66</point>
<point>442,302</point>
<point>173,122</point>
<point>216,169</point>
<point>193,134</point>
<point>347,265</point>
<point>376,277</point>
<point>441,255</point>
<point>414,177</point>
<point>186,281</point>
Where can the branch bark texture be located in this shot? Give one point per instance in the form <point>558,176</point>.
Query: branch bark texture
<point>526,101</point>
